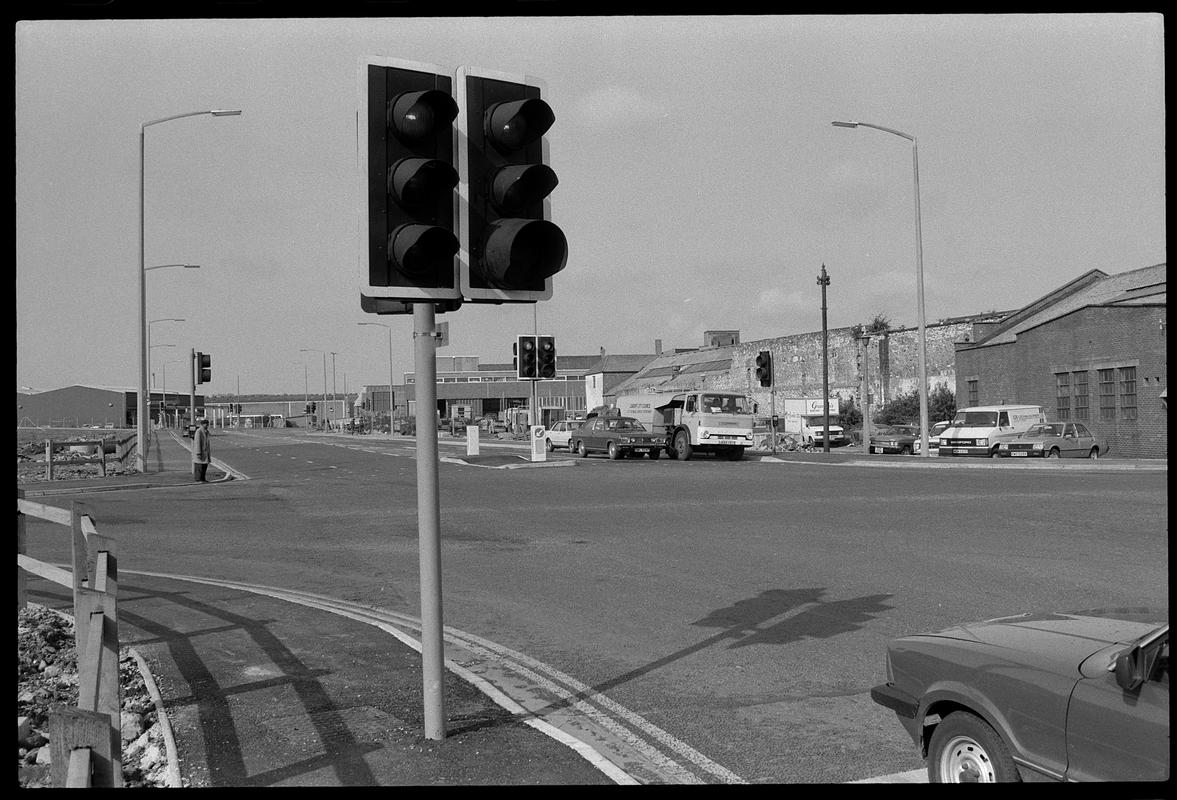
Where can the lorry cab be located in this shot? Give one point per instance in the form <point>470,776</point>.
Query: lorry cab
<point>979,431</point>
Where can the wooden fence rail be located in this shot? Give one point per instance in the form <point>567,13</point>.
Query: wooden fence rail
<point>85,742</point>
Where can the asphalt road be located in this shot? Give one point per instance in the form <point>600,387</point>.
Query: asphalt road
<point>734,614</point>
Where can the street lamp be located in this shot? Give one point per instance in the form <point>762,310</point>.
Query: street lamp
<point>313,350</point>
<point>141,421</point>
<point>389,327</point>
<point>919,271</point>
<point>149,324</point>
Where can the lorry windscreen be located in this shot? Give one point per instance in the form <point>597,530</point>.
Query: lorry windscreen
<point>725,404</point>
<point>976,419</point>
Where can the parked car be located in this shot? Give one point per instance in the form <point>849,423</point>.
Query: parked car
<point>560,433</point>
<point>1064,697</point>
<point>894,438</point>
<point>620,437</point>
<point>933,438</point>
<point>1054,440</point>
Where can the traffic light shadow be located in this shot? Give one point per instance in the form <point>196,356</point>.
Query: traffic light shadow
<point>773,617</point>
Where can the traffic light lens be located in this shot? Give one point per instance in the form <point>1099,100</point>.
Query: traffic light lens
<point>514,188</point>
<point>415,115</point>
<point>520,252</point>
<point>513,125</point>
<point>421,249</point>
<point>416,182</point>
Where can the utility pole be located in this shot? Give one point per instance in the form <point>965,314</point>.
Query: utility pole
<point>823,280</point>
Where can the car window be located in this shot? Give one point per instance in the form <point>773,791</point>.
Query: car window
<point>1081,430</point>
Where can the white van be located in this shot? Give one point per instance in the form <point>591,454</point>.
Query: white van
<point>978,431</point>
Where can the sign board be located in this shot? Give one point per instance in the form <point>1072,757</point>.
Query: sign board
<point>539,447</point>
<point>443,333</point>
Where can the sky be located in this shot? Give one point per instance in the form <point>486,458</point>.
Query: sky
<point>702,186</point>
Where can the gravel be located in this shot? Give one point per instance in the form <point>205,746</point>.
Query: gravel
<point>47,675</point>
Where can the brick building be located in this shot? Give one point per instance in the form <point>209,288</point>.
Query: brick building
<point>1092,350</point>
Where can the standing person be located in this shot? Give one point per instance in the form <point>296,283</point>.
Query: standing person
<point>201,451</point>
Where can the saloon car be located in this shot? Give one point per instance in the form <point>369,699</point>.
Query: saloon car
<point>560,434</point>
<point>1062,697</point>
<point>894,439</point>
<point>933,438</point>
<point>620,437</point>
<point>1054,440</point>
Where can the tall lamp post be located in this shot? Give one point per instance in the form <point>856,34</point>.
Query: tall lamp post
<point>149,345</point>
<point>389,327</point>
<point>312,350</point>
<point>141,420</point>
<point>823,280</point>
<point>164,402</point>
<point>919,271</point>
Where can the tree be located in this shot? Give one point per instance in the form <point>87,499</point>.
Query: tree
<point>904,409</point>
<point>941,403</point>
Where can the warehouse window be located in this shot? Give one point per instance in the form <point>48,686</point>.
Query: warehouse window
<point>1107,393</point>
<point>972,389</point>
<point>1062,393</point>
<point>1079,379</point>
<point>1127,392</point>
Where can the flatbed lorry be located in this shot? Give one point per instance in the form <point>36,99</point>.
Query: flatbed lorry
<point>694,421</point>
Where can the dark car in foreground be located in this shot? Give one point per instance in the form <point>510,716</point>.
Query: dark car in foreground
<point>620,437</point>
<point>1063,697</point>
<point>1054,440</point>
<point>894,439</point>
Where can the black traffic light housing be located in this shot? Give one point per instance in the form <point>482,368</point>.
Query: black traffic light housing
<point>546,349</point>
<point>526,358</point>
<point>510,249</point>
<point>203,367</point>
<point>406,152</point>
<point>764,368</point>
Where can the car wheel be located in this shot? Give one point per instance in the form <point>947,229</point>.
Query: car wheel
<point>551,446</point>
<point>964,749</point>
<point>905,451</point>
<point>682,446</point>
<point>1094,453</point>
<point>994,453</point>
<point>581,450</point>
<point>1054,453</point>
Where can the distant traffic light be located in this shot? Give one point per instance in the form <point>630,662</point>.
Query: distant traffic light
<point>526,367</point>
<point>203,367</point>
<point>510,249</point>
<point>764,368</point>
<point>406,152</point>
<point>546,348</point>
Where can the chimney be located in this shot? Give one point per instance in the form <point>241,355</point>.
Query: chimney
<point>657,347</point>
<point>602,352</point>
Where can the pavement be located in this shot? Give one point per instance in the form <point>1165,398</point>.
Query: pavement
<point>260,689</point>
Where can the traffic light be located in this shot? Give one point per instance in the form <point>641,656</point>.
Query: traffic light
<point>510,249</point>
<point>406,153</point>
<point>764,368</point>
<point>204,367</point>
<point>546,347</point>
<point>526,365</point>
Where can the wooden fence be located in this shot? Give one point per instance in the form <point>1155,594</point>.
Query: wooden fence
<point>85,742</point>
<point>120,448</point>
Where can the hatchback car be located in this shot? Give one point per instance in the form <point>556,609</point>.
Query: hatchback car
<point>894,439</point>
<point>618,436</point>
<point>1054,440</point>
<point>560,434</point>
<point>1064,697</point>
<point>933,438</point>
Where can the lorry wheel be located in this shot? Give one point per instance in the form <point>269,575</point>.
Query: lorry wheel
<point>656,452</point>
<point>964,749</point>
<point>735,454</point>
<point>614,451</point>
<point>682,446</point>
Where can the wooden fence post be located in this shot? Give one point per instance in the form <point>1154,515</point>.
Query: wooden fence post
<point>72,729</point>
<point>21,549</point>
<point>98,670</point>
<point>79,559</point>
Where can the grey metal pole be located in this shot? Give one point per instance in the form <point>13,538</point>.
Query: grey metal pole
<point>192,367</point>
<point>429,521</point>
<point>865,342</point>
<point>390,396</point>
<point>141,419</point>
<point>919,267</point>
<point>824,280</point>
<point>324,387</point>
